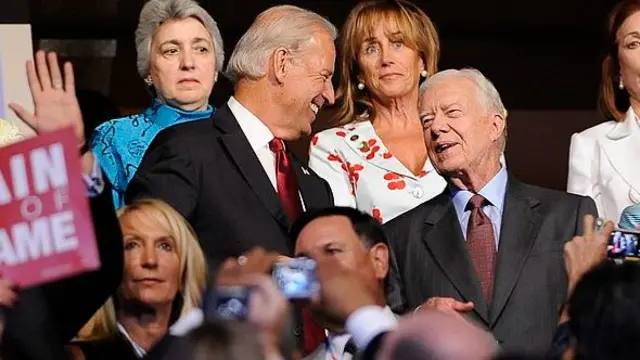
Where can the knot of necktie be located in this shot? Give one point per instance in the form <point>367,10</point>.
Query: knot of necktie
<point>477,201</point>
<point>276,145</point>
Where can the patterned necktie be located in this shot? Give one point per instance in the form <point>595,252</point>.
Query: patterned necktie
<point>288,193</point>
<point>481,245</point>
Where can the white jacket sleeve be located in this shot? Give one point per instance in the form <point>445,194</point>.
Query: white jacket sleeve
<point>581,156</point>
<point>328,163</point>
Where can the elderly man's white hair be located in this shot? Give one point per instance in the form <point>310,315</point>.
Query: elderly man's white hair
<point>156,12</point>
<point>490,96</point>
<point>285,26</point>
<point>488,93</point>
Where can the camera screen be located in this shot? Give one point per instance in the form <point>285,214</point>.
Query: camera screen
<point>623,245</point>
<point>228,303</point>
<point>296,278</point>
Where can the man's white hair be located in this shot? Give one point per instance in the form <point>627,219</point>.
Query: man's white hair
<point>489,96</point>
<point>156,12</point>
<point>291,29</point>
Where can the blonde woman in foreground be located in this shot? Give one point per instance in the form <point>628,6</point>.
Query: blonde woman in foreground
<point>164,277</point>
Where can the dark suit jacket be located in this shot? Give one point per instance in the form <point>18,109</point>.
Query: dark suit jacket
<point>45,318</point>
<point>209,173</point>
<point>429,258</point>
<point>116,347</point>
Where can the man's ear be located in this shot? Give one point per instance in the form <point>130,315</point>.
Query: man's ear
<point>498,123</point>
<point>281,64</point>
<point>379,256</point>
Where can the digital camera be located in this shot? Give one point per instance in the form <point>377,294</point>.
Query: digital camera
<point>297,278</point>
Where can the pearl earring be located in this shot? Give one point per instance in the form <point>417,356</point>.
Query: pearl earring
<point>621,84</point>
<point>148,80</point>
<point>360,86</point>
<point>424,73</point>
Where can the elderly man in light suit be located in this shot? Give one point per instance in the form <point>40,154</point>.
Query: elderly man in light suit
<point>357,242</point>
<point>489,247</point>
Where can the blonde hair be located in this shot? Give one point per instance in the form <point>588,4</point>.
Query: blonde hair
<point>193,267</point>
<point>419,34</point>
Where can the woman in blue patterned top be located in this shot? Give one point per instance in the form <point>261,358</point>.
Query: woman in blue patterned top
<point>180,53</point>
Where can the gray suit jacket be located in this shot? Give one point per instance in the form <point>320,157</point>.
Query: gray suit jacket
<point>429,258</point>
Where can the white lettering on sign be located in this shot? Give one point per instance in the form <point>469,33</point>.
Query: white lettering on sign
<point>42,237</point>
<point>48,171</point>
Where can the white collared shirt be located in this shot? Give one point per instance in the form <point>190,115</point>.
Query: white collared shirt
<point>337,344</point>
<point>363,325</point>
<point>258,135</point>
<point>139,350</point>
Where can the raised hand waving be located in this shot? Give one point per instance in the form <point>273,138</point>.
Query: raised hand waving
<point>54,97</point>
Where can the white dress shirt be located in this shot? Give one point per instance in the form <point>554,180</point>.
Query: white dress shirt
<point>258,135</point>
<point>368,322</point>
<point>335,347</point>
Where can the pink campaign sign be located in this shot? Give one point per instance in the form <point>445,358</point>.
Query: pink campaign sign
<point>46,232</point>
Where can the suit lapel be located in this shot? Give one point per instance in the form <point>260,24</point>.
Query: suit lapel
<point>245,159</point>
<point>620,145</point>
<point>445,241</point>
<point>520,225</point>
<point>308,184</point>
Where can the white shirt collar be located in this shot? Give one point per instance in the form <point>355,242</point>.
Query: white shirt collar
<point>257,133</point>
<point>139,350</point>
<point>339,341</point>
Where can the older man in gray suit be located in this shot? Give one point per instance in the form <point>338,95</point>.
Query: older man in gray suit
<point>489,247</point>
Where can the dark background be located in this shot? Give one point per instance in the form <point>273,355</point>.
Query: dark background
<point>543,56</point>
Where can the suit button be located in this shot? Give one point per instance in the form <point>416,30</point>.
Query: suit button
<point>417,193</point>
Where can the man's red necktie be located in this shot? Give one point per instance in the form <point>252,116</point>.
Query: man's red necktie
<point>288,193</point>
<point>481,245</point>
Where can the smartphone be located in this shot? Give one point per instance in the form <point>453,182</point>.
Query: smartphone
<point>623,245</point>
<point>230,302</point>
<point>297,278</point>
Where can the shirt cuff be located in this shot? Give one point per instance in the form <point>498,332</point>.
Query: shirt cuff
<point>94,181</point>
<point>368,322</point>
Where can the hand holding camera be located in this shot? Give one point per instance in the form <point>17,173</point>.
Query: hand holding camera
<point>584,252</point>
<point>245,291</point>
